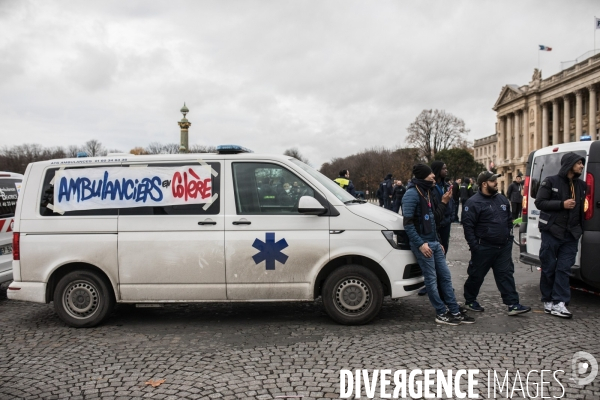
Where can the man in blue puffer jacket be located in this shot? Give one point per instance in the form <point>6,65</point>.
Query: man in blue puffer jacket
<point>488,224</point>
<point>419,207</point>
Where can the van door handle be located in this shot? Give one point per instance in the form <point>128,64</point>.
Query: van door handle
<point>207,223</point>
<point>242,222</point>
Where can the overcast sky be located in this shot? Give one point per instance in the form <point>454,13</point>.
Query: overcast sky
<point>328,77</point>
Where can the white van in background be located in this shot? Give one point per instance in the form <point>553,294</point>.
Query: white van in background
<point>10,185</point>
<point>231,226</point>
<point>546,162</point>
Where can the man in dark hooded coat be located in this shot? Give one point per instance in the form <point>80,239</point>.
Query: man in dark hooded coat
<point>560,200</point>
<point>387,187</point>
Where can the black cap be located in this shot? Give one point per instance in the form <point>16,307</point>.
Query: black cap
<point>486,176</point>
<point>421,171</point>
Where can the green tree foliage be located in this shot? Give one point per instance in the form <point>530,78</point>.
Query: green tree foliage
<point>460,163</point>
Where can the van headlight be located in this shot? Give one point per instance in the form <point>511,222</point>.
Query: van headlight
<point>397,239</point>
<point>391,237</point>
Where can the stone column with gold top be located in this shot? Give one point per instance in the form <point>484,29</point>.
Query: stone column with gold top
<point>592,113</point>
<point>184,124</point>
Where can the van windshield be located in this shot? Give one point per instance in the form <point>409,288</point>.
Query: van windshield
<point>546,165</point>
<point>325,181</point>
<point>9,192</point>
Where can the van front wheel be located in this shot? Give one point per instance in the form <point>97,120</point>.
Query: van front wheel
<point>352,295</point>
<point>83,299</point>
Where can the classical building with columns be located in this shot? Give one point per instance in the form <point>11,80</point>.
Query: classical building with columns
<point>550,111</point>
<point>485,150</point>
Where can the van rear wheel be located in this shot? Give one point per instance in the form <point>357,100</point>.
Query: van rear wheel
<point>83,299</point>
<point>352,295</point>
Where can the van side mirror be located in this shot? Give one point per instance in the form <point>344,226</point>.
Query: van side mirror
<point>310,206</point>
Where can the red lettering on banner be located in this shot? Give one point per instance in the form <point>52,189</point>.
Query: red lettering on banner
<point>2,221</point>
<point>186,187</point>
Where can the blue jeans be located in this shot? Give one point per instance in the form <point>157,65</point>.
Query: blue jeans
<point>557,257</point>
<point>435,269</point>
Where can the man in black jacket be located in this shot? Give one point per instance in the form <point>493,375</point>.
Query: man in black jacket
<point>397,196</point>
<point>387,187</point>
<point>456,197</point>
<point>514,194</point>
<point>441,171</point>
<point>488,227</point>
<point>560,200</point>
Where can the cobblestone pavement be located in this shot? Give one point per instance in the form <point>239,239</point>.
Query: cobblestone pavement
<point>245,350</point>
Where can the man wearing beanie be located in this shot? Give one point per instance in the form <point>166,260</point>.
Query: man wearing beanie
<point>420,207</point>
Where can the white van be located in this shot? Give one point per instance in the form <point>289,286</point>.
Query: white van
<point>231,226</point>
<point>546,162</point>
<point>10,185</point>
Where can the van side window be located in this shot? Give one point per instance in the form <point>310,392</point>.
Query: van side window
<point>544,166</point>
<point>48,198</point>
<point>8,196</point>
<point>186,209</point>
<point>262,188</point>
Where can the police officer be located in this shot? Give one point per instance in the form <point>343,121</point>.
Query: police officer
<point>387,189</point>
<point>345,183</point>
<point>487,224</point>
<point>560,201</point>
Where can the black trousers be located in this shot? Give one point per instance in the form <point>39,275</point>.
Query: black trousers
<point>515,209</point>
<point>499,259</point>
<point>456,210</point>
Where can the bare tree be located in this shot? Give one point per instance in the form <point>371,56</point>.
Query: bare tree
<point>72,151</point>
<point>170,148</point>
<point>197,148</point>
<point>154,148</point>
<point>436,130</point>
<point>94,148</point>
<point>294,152</point>
<point>16,158</point>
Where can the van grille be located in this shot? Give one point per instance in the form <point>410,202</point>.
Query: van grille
<point>412,271</point>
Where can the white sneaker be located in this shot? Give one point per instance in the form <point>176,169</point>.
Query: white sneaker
<point>548,307</point>
<point>561,311</point>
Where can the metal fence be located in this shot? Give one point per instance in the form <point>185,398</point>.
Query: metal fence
<point>569,64</point>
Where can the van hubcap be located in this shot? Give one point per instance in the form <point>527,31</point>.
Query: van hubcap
<point>352,296</point>
<point>81,299</point>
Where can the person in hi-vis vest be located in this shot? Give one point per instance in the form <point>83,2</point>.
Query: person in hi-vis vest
<point>345,183</point>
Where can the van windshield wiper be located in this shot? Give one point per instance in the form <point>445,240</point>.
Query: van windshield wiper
<point>355,201</point>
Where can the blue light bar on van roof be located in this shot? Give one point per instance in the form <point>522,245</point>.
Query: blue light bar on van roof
<point>585,139</point>
<point>232,149</point>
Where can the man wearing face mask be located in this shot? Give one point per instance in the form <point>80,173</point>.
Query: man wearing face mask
<point>420,209</point>
<point>487,224</point>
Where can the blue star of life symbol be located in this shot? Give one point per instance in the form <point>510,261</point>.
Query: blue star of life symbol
<point>269,251</point>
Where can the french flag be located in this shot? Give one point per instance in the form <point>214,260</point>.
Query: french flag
<point>545,48</point>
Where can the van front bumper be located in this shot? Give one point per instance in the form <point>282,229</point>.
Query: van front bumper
<point>404,278</point>
<point>27,291</point>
